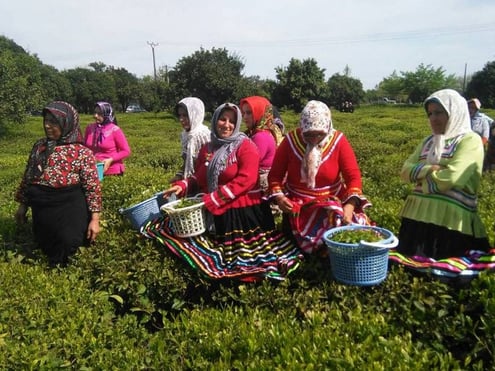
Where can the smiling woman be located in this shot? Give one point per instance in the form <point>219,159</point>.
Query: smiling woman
<point>241,240</point>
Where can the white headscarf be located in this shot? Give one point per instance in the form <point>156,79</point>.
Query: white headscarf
<point>458,123</point>
<point>315,116</point>
<point>198,135</point>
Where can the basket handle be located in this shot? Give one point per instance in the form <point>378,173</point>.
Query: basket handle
<point>392,244</point>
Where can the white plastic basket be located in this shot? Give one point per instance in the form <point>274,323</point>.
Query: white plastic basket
<point>186,221</point>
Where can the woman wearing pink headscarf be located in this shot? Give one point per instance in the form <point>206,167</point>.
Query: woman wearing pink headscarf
<point>107,140</point>
<point>315,179</point>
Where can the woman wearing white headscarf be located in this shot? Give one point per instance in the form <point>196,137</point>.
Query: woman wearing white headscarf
<point>440,217</point>
<point>315,179</point>
<point>191,114</point>
<point>242,241</point>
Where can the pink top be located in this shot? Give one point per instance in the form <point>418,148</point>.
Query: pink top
<point>266,147</point>
<point>108,141</point>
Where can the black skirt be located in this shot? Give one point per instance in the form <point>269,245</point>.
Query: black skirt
<point>60,220</point>
<point>433,241</point>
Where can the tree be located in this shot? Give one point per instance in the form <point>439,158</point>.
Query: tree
<point>211,75</point>
<point>481,85</point>
<point>126,86</point>
<point>54,85</point>
<point>425,80</point>
<point>392,86</point>
<point>89,87</point>
<point>20,86</point>
<point>20,82</point>
<point>344,88</point>
<point>299,82</point>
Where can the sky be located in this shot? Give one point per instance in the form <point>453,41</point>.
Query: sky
<point>372,38</point>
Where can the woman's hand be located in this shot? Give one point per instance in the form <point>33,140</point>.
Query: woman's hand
<point>106,163</point>
<point>20,215</point>
<point>284,203</point>
<point>93,227</point>
<point>348,212</point>
<point>177,190</point>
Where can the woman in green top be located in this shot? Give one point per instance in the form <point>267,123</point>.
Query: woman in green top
<point>439,217</point>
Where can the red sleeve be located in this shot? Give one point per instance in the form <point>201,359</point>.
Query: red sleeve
<point>349,167</point>
<point>242,177</point>
<point>277,173</point>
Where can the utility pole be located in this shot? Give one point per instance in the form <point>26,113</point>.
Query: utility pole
<point>152,44</point>
<point>464,82</point>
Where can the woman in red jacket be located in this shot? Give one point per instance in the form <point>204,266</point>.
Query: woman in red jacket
<point>315,179</point>
<point>242,241</point>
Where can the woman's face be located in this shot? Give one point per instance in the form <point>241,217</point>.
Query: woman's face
<point>98,115</point>
<point>438,118</point>
<point>226,123</point>
<point>247,116</point>
<point>184,118</point>
<point>313,136</point>
<point>52,128</point>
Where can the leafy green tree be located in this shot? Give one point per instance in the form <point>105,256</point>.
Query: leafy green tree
<point>126,86</point>
<point>55,85</point>
<point>344,88</point>
<point>392,87</point>
<point>299,82</point>
<point>90,86</point>
<point>481,85</point>
<point>425,80</point>
<point>211,75</point>
<point>20,82</point>
<point>20,86</point>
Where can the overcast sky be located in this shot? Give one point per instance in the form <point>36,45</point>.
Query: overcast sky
<point>373,38</point>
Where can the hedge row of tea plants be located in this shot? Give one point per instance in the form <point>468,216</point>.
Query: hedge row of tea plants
<point>126,303</point>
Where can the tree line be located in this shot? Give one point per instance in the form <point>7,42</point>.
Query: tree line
<point>215,76</point>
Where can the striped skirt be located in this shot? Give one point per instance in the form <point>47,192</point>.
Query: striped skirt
<point>245,246</point>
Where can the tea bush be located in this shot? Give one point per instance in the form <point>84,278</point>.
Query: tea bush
<point>126,303</point>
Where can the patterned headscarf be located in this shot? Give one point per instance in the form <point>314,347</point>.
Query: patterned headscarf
<point>67,119</point>
<point>108,118</point>
<point>315,116</point>
<point>106,112</point>
<point>195,109</point>
<point>458,123</point>
<point>223,147</point>
<point>263,117</point>
<point>261,109</point>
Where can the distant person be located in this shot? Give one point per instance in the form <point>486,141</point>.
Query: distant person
<point>61,186</point>
<point>315,179</point>
<point>241,241</point>
<point>440,217</point>
<point>482,125</point>
<point>191,114</point>
<point>277,120</point>
<point>107,140</point>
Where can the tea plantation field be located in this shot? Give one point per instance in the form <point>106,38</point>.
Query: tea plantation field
<point>126,304</point>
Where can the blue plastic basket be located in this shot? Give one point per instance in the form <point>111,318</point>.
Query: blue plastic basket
<point>361,264</point>
<point>100,166</point>
<point>144,211</point>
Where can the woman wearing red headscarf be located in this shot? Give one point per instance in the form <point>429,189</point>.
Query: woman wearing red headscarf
<point>61,186</point>
<point>257,113</point>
